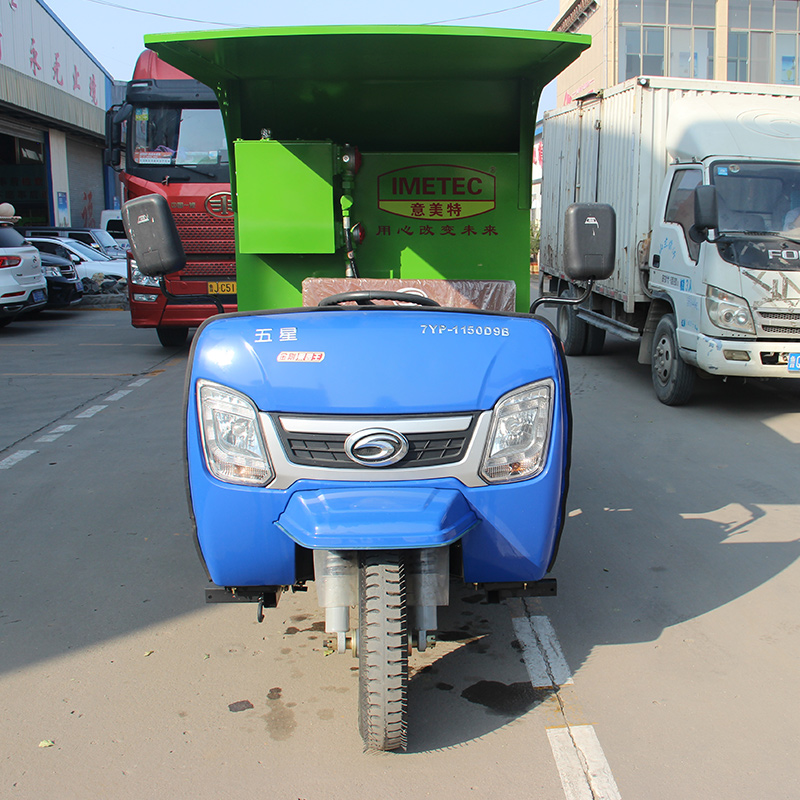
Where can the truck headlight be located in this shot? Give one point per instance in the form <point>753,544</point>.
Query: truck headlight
<point>140,279</point>
<point>728,311</point>
<point>233,445</point>
<point>520,434</point>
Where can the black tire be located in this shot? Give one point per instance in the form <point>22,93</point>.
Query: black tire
<point>595,339</point>
<point>382,651</point>
<point>571,329</point>
<point>673,378</point>
<point>172,337</point>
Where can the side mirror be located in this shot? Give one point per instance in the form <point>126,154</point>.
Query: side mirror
<point>115,116</point>
<point>590,240</point>
<point>706,213</point>
<point>153,235</point>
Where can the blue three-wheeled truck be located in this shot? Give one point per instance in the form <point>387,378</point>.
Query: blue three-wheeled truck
<point>385,412</point>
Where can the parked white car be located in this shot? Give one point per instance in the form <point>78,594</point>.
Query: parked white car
<point>88,261</point>
<point>23,286</point>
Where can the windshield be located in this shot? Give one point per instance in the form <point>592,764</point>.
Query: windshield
<point>106,239</point>
<point>88,252</point>
<point>759,213</point>
<point>757,196</point>
<point>178,136</point>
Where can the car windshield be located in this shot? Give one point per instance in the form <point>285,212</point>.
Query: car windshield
<point>105,239</point>
<point>178,136</point>
<point>757,197</point>
<point>87,252</point>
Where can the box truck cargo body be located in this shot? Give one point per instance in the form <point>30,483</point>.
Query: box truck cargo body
<point>703,176</point>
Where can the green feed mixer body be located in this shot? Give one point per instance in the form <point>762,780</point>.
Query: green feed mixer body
<point>418,139</point>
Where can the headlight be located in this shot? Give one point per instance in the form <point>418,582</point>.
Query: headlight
<point>52,272</point>
<point>232,442</point>
<point>140,279</point>
<point>729,311</point>
<point>520,434</point>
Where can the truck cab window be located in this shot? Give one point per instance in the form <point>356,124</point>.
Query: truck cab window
<point>680,205</point>
<point>183,136</point>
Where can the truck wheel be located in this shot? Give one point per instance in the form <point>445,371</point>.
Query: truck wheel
<point>382,651</point>
<point>571,329</point>
<point>673,378</point>
<point>172,337</point>
<point>595,339</point>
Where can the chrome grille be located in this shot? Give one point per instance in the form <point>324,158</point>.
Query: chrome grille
<point>320,442</point>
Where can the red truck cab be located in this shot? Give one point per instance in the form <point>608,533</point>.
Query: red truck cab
<point>168,138</point>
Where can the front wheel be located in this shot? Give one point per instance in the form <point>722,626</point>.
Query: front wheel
<point>673,378</point>
<point>382,651</point>
<point>172,337</point>
<point>572,330</point>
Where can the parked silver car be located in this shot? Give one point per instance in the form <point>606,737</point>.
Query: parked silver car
<point>23,286</point>
<point>96,238</point>
<point>88,261</point>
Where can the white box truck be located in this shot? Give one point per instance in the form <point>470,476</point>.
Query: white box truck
<point>705,179</point>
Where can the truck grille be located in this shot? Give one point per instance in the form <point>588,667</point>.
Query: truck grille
<point>202,233</point>
<point>209,269</point>
<point>320,443</point>
<point>791,318</point>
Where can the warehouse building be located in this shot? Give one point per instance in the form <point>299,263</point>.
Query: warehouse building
<point>53,98</point>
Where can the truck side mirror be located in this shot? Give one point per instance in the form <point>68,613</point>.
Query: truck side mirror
<point>115,116</point>
<point>153,235</point>
<point>590,240</point>
<point>706,213</point>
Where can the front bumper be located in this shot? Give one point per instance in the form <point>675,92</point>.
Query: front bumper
<point>746,357</point>
<point>157,312</point>
<point>397,517</point>
<point>63,293</point>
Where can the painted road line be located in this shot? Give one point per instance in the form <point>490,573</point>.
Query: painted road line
<point>140,382</point>
<point>541,652</point>
<point>581,763</point>
<point>118,395</point>
<point>90,412</point>
<point>15,458</point>
<point>55,433</point>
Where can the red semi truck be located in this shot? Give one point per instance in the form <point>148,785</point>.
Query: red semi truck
<point>168,138</point>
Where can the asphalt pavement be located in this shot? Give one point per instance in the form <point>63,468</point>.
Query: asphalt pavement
<point>664,668</point>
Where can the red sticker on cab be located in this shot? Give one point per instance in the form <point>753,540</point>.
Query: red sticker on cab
<point>300,357</point>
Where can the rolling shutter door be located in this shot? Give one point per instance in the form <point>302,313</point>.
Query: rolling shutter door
<point>86,192</point>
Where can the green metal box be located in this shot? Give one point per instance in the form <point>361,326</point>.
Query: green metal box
<point>284,197</point>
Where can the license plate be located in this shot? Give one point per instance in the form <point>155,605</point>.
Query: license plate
<point>794,362</point>
<point>222,287</point>
<point>38,296</point>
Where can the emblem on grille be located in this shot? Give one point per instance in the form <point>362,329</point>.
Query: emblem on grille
<point>220,204</point>
<point>376,447</point>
